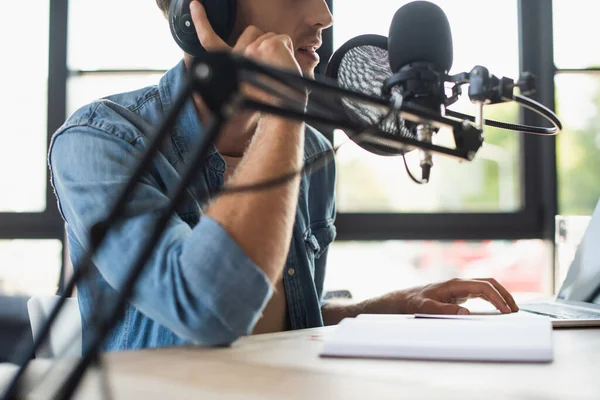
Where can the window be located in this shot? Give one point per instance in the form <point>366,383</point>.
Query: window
<point>100,63</point>
<point>575,24</point>
<point>491,183</point>
<point>136,38</point>
<point>578,105</point>
<point>30,267</point>
<point>370,269</point>
<point>85,88</point>
<point>112,65</point>
<point>23,104</point>
<point>31,258</point>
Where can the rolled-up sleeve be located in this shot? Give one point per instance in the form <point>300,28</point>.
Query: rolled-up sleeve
<point>199,282</point>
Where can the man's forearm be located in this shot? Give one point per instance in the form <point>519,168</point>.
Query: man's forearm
<point>333,312</point>
<point>262,221</point>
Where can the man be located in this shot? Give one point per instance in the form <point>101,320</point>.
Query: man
<point>238,264</point>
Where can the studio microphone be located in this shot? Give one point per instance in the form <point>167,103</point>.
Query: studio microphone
<point>420,57</point>
<point>412,64</point>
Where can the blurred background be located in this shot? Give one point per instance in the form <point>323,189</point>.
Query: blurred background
<point>491,217</point>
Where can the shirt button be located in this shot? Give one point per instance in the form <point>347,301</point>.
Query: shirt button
<point>291,272</point>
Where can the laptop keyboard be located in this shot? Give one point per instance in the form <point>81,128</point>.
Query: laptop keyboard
<point>560,312</point>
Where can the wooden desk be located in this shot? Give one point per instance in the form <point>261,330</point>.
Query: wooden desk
<point>287,366</point>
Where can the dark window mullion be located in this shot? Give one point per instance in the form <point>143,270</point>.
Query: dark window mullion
<point>57,105</point>
<point>537,56</point>
<point>30,226</point>
<point>446,226</point>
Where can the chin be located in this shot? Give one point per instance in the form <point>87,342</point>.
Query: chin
<point>309,73</point>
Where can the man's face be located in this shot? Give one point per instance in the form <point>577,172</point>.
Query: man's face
<point>302,20</point>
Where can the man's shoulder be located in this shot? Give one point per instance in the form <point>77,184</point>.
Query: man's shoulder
<point>124,115</point>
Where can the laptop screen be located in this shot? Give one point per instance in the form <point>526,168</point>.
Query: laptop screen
<point>582,282</point>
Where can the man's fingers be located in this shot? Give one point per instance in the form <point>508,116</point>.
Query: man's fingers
<point>505,293</point>
<point>274,41</point>
<point>207,36</point>
<point>483,289</point>
<point>255,45</point>
<point>430,306</point>
<point>287,41</point>
<point>249,36</point>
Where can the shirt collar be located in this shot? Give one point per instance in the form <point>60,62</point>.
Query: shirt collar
<point>188,129</point>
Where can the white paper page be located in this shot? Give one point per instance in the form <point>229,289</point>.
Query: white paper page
<point>519,340</point>
<point>485,316</point>
<point>473,316</point>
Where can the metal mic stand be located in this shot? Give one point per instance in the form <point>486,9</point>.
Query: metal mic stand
<point>115,311</point>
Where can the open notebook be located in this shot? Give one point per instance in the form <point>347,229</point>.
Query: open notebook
<point>508,340</point>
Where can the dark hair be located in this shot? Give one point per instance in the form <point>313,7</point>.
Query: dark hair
<point>163,5</point>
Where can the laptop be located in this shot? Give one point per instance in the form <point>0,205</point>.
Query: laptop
<point>578,300</point>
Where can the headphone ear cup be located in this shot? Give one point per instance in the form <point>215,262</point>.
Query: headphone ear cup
<point>221,15</point>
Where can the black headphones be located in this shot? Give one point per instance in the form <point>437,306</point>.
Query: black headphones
<point>221,14</point>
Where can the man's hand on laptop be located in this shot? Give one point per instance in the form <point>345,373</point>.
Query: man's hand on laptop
<point>443,298</point>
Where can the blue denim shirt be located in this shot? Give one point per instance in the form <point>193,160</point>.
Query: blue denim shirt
<point>199,285</point>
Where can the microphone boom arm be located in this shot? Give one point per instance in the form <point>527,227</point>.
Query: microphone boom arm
<point>468,139</point>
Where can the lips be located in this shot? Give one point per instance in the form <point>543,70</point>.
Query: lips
<point>308,48</point>
<point>309,54</point>
<point>310,51</point>
<point>311,46</point>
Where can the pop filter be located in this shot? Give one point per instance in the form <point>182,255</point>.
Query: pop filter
<point>362,65</point>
